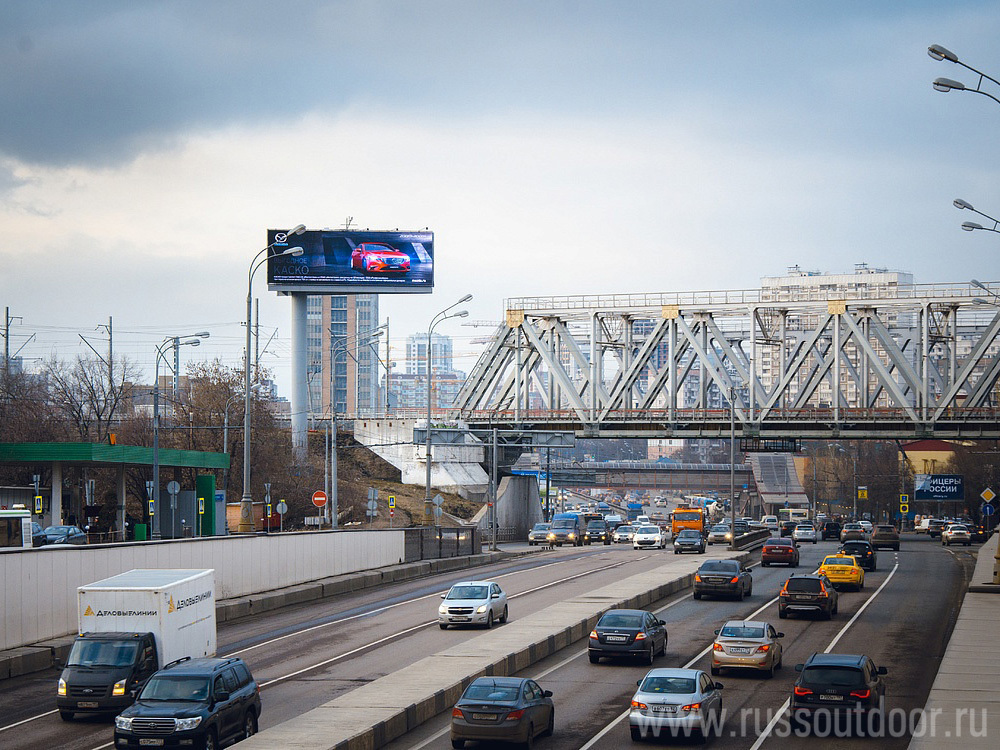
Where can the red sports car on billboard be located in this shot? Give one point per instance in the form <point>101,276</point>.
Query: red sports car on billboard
<point>375,257</point>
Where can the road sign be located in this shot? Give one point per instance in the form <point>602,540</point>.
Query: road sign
<point>438,500</point>
<point>987,495</point>
<point>862,493</point>
<point>150,508</point>
<point>372,505</point>
<point>173,487</point>
<point>201,506</point>
<point>392,501</point>
<point>904,508</point>
<point>988,510</point>
<point>38,504</point>
<point>392,512</point>
<point>282,508</point>
<point>319,498</point>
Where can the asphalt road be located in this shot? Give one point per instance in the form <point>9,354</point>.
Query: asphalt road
<point>904,628</point>
<point>304,656</point>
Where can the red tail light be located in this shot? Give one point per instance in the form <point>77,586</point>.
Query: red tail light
<point>822,589</point>
<point>456,713</point>
<point>515,715</point>
<point>802,691</point>
<point>717,647</point>
<point>691,707</point>
<point>861,693</point>
<point>640,706</point>
<point>764,649</point>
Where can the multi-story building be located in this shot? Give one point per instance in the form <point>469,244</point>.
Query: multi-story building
<point>409,392</point>
<point>336,328</point>
<point>441,353</point>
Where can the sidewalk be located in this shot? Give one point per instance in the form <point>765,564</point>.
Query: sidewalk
<point>963,707</point>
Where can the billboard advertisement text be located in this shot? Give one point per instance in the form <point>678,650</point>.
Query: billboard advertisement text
<point>348,262</point>
<point>938,487</point>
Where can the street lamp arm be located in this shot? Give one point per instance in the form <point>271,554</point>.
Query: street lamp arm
<point>938,52</point>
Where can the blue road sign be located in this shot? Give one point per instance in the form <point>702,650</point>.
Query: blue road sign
<point>987,509</point>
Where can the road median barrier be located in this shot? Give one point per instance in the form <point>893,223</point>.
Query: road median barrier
<point>386,708</point>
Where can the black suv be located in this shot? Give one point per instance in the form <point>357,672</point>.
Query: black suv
<point>597,531</point>
<point>808,593</point>
<point>841,684</point>
<point>862,551</point>
<point>830,530</point>
<point>203,703</point>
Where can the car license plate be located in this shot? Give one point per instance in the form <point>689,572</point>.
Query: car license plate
<point>147,742</point>
<point>86,704</point>
<point>616,638</point>
<point>802,597</point>
<point>484,717</point>
<point>664,709</point>
<point>738,650</point>
<point>461,619</point>
<point>831,697</point>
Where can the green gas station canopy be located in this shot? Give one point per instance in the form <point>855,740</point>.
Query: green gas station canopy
<point>103,454</point>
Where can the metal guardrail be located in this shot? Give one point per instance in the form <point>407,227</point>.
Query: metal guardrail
<point>753,540</point>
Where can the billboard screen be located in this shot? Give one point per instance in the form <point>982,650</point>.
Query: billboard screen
<point>346,262</point>
<point>938,487</point>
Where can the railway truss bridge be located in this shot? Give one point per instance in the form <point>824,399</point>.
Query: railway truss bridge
<point>891,362</point>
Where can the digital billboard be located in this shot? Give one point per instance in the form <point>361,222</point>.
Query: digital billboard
<point>938,487</point>
<point>348,262</point>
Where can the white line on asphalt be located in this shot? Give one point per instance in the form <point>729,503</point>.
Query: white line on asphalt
<point>836,639</point>
<point>25,721</point>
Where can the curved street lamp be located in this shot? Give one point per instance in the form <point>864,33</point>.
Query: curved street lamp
<point>443,315</point>
<point>172,342</point>
<point>970,226</point>
<point>937,52</point>
<point>246,525</point>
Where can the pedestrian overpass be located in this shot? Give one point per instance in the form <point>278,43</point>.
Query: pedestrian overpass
<point>891,362</point>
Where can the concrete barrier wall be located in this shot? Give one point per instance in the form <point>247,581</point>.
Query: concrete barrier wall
<point>38,587</point>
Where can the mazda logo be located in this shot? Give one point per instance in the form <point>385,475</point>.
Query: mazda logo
<point>281,237</point>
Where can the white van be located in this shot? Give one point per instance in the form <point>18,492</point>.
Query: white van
<point>770,522</point>
<point>641,521</point>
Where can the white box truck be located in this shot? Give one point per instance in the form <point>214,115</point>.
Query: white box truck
<point>131,625</point>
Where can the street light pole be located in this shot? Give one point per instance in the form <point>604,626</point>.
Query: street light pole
<point>246,525</point>
<point>443,315</point>
<point>175,343</point>
<point>732,468</point>
<point>945,85</point>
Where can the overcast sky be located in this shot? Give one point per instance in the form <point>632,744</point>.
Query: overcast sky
<point>553,147</point>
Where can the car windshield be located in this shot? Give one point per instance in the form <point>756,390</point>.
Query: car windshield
<point>890,529</point>
<point>721,527</point>
<point>541,527</point>
<point>624,528</point>
<point>803,585</point>
<point>776,542</point>
<point>564,523</point>
<point>834,560</point>
<point>620,620</point>
<point>857,549</point>
<point>804,527</point>
<point>956,527</point>
<point>689,534</point>
<point>468,592</point>
<point>678,685</point>
<point>853,527</point>
<point>175,689</point>
<point>491,692</point>
<point>59,529</point>
<point>741,631</point>
<point>647,530</point>
<point>833,676</point>
<point>719,566</point>
<point>686,515</point>
<point>595,525</point>
<point>102,654</point>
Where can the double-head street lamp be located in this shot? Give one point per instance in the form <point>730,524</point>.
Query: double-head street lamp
<point>246,525</point>
<point>970,226</point>
<point>945,85</point>
<point>172,342</point>
<point>443,315</point>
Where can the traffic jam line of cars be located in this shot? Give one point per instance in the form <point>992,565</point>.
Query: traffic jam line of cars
<point>686,701</point>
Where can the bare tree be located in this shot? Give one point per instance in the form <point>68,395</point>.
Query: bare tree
<point>89,395</point>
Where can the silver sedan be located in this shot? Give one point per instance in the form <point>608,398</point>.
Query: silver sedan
<point>676,702</point>
<point>804,532</point>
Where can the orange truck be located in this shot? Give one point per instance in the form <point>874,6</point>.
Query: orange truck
<point>686,517</point>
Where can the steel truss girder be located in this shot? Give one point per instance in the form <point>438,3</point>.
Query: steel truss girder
<point>844,363</point>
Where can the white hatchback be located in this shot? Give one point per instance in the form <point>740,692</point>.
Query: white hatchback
<point>648,536</point>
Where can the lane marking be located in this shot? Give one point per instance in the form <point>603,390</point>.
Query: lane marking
<point>25,721</point>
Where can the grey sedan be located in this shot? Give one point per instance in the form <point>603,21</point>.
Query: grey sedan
<point>509,709</point>
<point>723,578</point>
<point>676,702</point>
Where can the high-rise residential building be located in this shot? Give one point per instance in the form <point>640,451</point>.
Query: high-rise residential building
<point>441,353</point>
<point>335,329</point>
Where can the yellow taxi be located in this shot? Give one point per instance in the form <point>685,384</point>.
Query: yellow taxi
<point>842,570</point>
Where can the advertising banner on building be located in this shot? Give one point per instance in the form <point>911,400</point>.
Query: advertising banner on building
<point>349,262</point>
<point>938,487</point>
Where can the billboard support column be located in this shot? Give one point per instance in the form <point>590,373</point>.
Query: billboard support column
<point>300,386</point>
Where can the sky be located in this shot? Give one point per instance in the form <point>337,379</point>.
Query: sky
<point>553,147</point>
